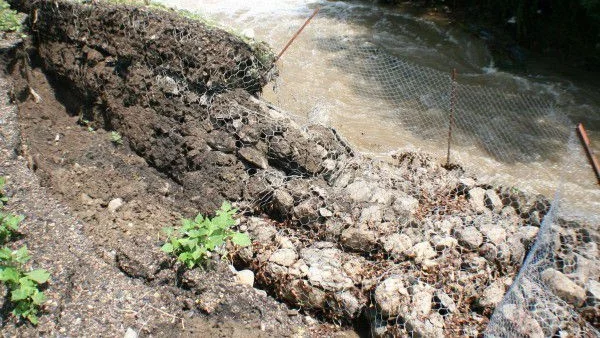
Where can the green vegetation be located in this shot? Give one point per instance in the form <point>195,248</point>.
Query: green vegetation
<point>25,295</point>
<point>86,123</point>
<point>116,138</point>
<point>9,224</point>
<point>24,286</point>
<point>10,20</point>
<point>3,198</point>
<point>262,50</point>
<point>197,239</point>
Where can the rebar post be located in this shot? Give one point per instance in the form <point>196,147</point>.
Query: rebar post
<point>451,117</point>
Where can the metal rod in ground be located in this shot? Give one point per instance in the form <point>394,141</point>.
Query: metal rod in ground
<point>451,117</point>
<point>588,150</point>
<point>297,33</point>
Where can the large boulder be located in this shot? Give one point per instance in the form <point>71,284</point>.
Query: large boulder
<point>392,298</point>
<point>325,269</point>
<point>563,287</point>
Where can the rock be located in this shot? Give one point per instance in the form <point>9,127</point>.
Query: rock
<point>355,268</point>
<point>445,302</point>
<point>405,205</point>
<point>476,198</point>
<point>324,245</point>
<point>115,204</point>
<point>130,333</point>
<point>421,303</point>
<point>221,141</point>
<point>359,191</point>
<point>167,84</point>
<point>359,239</point>
<point>469,237</point>
<point>254,157</point>
<point>284,242</point>
<point>283,202</point>
<point>492,200</point>
<point>429,265</point>
<point>422,251</point>
<point>444,227</point>
<point>370,215</point>
<point>443,243</point>
<point>524,203</point>
<point>494,233</point>
<point>301,292</point>
<point>325,212</point>
<point>392,298</point>
<point>489,252</point>
<point>528,234</point>
<point>307,210</point>
<point>276,271</point>
<point>563,287</point>
<point>492,295</point>
<point>88,200</point>
<point>593,287</point>
<point>464,185</point>
<point>472,263</point>
<point>246,254</point>
<point>245,277</point>
<point>521,320</point>
<point>325,269</point>
<point>503,253</point>
<point>382,196</point>
<point>517,250</point>
<point>299,269</point>
<point>432,327</point>
<point>350,304</point>
<point>397,244</point>
<point>284,257</point>
<point>535,219</point>
<point>334,228</point>
<point>264,234</point>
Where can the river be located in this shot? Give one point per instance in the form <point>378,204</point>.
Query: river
<point>356,63</point>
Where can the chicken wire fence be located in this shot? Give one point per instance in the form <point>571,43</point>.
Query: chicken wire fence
<point>405,245</point>
<point>555,291</point>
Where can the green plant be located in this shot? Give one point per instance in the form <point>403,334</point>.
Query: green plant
<point>197,239</point>
<point>10,20</point>
<point>116,138</point>
<point>9,224</point>
<point>261,49</point>
<point>3,198</point>
<point>24,286</point>
<point>86,123</point>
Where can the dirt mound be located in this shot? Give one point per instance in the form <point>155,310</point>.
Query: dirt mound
<point>409,246</point>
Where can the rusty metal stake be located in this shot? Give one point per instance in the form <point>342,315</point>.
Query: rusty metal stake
<point>297,33</point>
<point>588,150</point>
<point>451,117</point>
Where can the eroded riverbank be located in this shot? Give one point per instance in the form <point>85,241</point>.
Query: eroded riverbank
<point>403,247</point>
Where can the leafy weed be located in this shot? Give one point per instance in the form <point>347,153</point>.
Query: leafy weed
<point>24,286</point>
<point>195,241</point>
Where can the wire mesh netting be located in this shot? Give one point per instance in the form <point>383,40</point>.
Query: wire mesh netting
<point>412,247</point>
<point>554,292</point>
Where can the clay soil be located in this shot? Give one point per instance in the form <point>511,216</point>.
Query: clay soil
<point>108,273</point>
<point>63,181</point>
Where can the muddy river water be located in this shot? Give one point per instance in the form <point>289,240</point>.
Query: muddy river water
<point>364,95</point>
